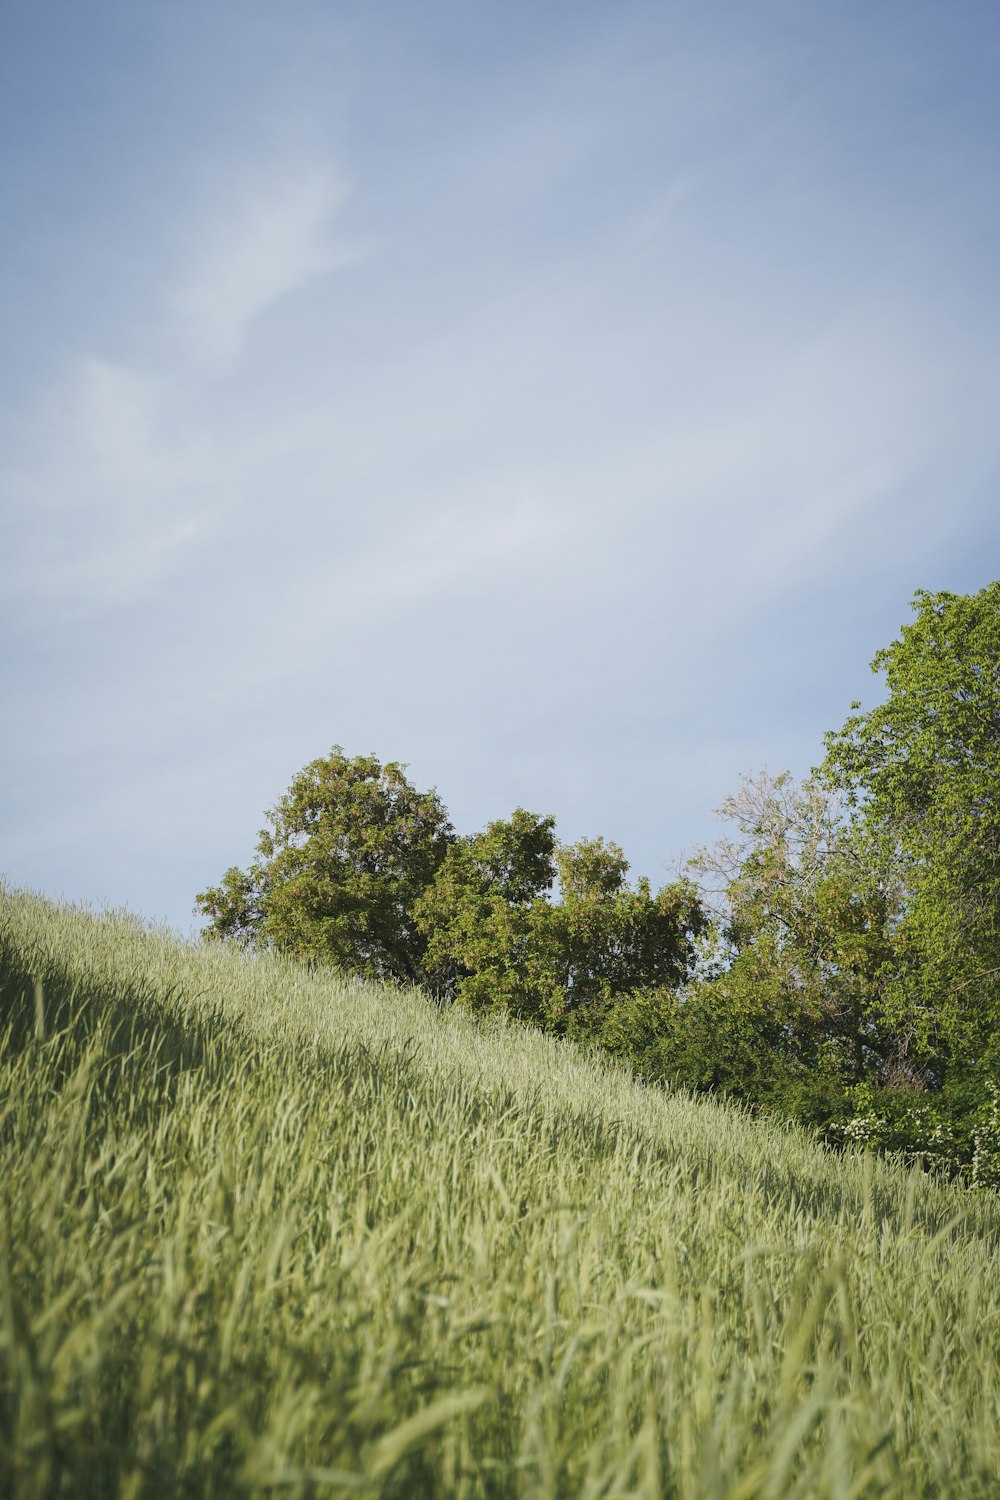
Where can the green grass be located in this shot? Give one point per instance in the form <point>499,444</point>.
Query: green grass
<point>267,1233</point>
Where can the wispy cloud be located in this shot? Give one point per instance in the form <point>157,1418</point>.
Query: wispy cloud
<point>453,550</point>
<point>119,470</point>
<point>266,241</point>
<point>112,491</point>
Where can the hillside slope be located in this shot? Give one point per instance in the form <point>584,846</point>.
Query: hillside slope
<point>267,1232</point>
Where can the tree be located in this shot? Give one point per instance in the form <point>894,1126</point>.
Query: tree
<point>922,770</point>
<point>360,870</point>
<point>483,917</point>
<point>855,979</point>
<point>495,930</point>
<point>793,991</point>
<point>620,939</point>
<point>351,847</point>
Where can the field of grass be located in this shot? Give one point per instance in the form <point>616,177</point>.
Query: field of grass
<point>267,1233</point>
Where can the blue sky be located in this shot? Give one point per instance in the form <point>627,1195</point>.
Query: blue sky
<point>565,399</point>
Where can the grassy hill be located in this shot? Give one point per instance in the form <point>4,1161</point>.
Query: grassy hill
<point>267,1232</point>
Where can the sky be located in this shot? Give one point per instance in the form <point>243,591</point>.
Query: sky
<point>565,400</point>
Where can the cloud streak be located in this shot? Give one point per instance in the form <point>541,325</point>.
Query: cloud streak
<point>115,488</point>
<point>270,240</point>
<point>121,473</point>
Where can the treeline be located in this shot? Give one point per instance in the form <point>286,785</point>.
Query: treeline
<point>834,958</point>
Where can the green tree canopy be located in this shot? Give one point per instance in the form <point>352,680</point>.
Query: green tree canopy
<point>349,849</point>
<point>923,771</point>
<point>507,939</point>
<point>794,986</point>
<point>360,870</point>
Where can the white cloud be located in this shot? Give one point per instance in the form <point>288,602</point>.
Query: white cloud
<point>270,239</point>
<point>453,546</point>
<point>109,494</point>
<point>121,467</point>
<point>414,571</point>
<point>115,412</point>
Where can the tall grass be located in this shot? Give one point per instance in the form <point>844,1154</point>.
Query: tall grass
<point>264,1232</point>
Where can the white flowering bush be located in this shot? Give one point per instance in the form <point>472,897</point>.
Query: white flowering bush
<point>932,1130</point>
<point>986,1144</point>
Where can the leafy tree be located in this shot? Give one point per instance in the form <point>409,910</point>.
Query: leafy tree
<point>923,771</point>
<point>360,870</point>
<point>349,850</point>
<point>803,918</point>
<point>494,928</point>
<point>618,939</point>
<point>855,977</point>
<point>483,914</point>
<point>786,1008</point>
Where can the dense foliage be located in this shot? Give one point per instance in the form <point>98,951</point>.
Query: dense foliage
<point>504,943</point>
<point>362,871</point>
<point>855,977</point>
<point>787,1008</point>
<point>923,771</point>
<point>350,847</point>
<point>835,957</point>
<point>268,1232</point>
